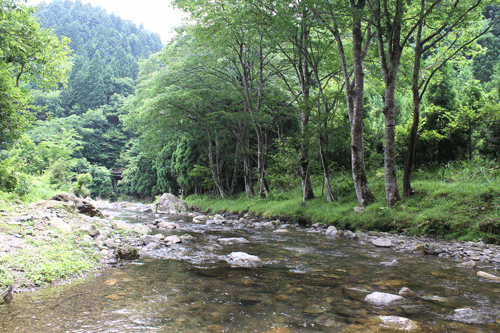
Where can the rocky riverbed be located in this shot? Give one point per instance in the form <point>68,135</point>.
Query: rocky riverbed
<point>112,241</point>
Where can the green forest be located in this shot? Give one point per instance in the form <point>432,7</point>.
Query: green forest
<point>367,114</point>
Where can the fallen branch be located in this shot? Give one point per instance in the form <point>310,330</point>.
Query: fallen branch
<point>475,173</point>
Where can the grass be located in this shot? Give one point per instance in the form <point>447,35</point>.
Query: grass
<point>460,200</point>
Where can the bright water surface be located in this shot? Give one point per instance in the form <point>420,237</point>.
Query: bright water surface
<point>306,283</point>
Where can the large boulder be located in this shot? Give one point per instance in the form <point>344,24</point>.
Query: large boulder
<point>169,203</point>
<point>80,205</point>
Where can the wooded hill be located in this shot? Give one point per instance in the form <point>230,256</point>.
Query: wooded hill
<point>266,98</point>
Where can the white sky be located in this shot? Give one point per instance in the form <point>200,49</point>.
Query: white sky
<point>156,15</point>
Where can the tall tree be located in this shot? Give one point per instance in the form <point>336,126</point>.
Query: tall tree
<point>439,38</point>
<point>338,18</point>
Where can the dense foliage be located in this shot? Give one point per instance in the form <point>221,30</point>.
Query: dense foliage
<point>260,97</point>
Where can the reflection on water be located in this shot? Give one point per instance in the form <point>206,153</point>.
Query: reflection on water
<point>307,283</point>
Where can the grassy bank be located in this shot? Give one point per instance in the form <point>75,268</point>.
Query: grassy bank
<point>460,200</point>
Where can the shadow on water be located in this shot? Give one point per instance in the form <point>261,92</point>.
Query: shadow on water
<point>307,283</point>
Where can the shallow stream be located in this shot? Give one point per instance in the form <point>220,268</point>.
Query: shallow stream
<point>305,283</point>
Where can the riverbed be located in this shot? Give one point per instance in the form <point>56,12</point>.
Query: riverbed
<point>304,282</point>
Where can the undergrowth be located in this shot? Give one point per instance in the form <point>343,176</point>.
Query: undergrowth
<point>459,200</point>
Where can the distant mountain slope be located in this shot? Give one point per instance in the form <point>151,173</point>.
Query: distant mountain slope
<point>106,51</point>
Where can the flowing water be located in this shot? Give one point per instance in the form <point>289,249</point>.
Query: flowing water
<point>305,283</point>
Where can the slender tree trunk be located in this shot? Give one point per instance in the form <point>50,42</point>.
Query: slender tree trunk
<point>356,109</point>
<point>247,167</point>
<point>215,168</point>
<point>391,182</point>
<point>330,196</point>
<point>412,141</point>
<point>390,51</point>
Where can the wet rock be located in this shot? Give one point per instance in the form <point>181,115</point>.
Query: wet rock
<point>470,316</point>
<point>174,239</point>
<point>120,225</point>
<point>433,248</point>
<point>398,323</point>
<point>127,253</point>
<point>467,264</point>
<point>169,203</point>
<point>331,231</point>
<point>233,240</point>
<point>243,259</point>
<point>200,219</point>
<point>382,242</point>
<point>434,298</point>
<point>380,299</point>
<point>167,225</point>
<point>348,234</point>
<point>186,237</point>
<point>59,224</point>
<point>281,231</point>
<point>315,309</point>
<point>406,292</point>
<point>488,276</point>
<point>394,262</point>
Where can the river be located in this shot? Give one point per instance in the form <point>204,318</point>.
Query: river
<point>305,282</point>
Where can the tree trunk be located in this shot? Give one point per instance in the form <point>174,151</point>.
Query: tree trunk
<point>355,108</point>
<point>391,182</point>
<point>330,196</point>
<point>215,168</point>
<point>247,168</point>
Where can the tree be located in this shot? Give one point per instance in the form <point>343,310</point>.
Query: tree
<point>438,39</point>
<point>338,18</point>
<point>28,53</point>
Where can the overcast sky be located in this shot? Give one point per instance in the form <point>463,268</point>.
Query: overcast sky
<point>156,15</point>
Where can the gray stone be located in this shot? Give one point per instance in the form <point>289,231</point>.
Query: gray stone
<point>200,219</point>
<point>233,240</point>
<point>167,225</point>
<point>174,239</point>
<point>470,316</point>
<point>348,234</point>
<point>89,229</point>
<point>127,253</point>
<point>169,203</point>
<point>281,231</point>
<point>120,225</point>
<point>382,242</point>
<point>467,264</point>
<point>243,259</point>
<point>331,231</point>
<point>394,262</point>
<point>59,224</point>
<point>406,292</point>
<point>488,276</point>
<point>378,298</point>
<point>141,229</point>
<point>398,323</point>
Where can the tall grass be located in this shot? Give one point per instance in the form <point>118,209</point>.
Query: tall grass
<point>458,200</point>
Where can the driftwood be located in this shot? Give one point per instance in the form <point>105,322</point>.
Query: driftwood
<point>491,169</point>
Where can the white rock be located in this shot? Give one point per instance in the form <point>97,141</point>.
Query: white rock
<point>120,225</point>
<point>331,231</point>
<point>169,203</point>
<point>167,225</point>
<point>141,229</point>
<point>398,323</point>
<point>488,276</point>
<point>378,298</point>
<point>281,231</point>
<point>200,219</point>
<point>233,240</point>
<point>173,240</point>
<point>59,224</point>
<point>245,257</point>
<point>382,242</point>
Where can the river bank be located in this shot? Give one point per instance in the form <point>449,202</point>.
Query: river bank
<point>47,243</point>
